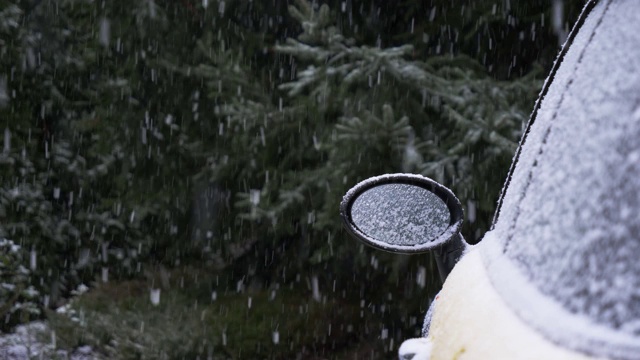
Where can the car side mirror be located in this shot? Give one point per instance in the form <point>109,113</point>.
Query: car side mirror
<point>407,214</point>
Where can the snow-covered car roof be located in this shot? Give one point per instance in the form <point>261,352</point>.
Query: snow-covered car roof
<point>569,222</point>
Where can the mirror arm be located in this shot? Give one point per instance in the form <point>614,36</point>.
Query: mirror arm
<point>448,255</point>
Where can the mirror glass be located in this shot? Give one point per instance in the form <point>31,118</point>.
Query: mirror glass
<point>400,214</point>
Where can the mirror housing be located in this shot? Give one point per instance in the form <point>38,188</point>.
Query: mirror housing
<point>406,214</point>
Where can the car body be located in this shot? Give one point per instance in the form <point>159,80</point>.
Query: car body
<point>558,276</point>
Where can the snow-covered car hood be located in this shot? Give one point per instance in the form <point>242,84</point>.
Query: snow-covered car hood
<point>564,249</point>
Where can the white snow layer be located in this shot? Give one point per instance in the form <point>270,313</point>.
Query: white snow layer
<point>384,231</point>
<point>25,343</point>
<point>415,349</point>
<point>401,214</point>
<point>570,220</point>
<point>471,321</point>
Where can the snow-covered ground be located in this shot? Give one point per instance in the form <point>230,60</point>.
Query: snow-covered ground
<point>26,344</point>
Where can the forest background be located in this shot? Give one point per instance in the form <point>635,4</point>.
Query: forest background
<point>171,170</point>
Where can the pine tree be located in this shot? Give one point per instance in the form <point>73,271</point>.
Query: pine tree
<point>457,126</point>
<point>85,180</point>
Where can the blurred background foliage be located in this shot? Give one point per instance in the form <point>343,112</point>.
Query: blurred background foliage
<point>218,136</point>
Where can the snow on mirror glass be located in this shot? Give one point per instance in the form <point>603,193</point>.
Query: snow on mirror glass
<point>400,214</point>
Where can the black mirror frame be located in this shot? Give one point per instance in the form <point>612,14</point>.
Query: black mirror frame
<point>452,202</point>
